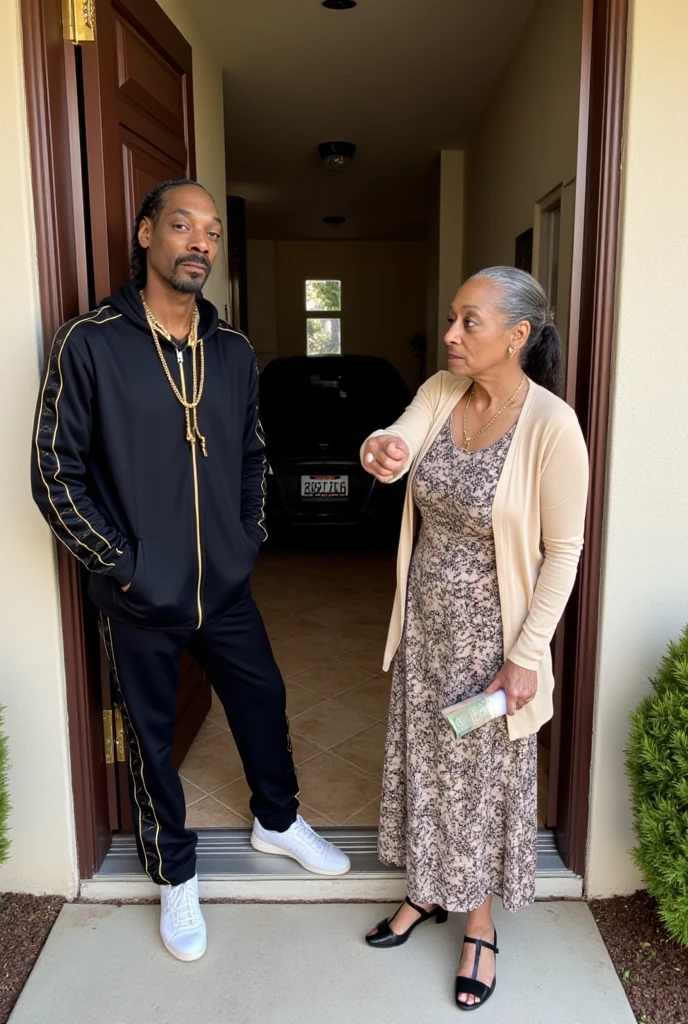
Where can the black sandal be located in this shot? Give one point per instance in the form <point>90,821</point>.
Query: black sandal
<point>471,986</point>
<point>385,938</point>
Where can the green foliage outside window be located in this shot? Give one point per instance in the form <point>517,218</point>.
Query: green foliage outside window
<point>324,337</point>
<point>324,296</point>
<point>323,334</point>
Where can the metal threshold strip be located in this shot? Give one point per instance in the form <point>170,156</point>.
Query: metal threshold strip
<point>227,853</point>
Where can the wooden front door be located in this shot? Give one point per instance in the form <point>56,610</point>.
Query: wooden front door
<point>137,127</point>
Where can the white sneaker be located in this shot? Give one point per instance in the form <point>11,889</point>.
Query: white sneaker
<point>304,845</point>
<point>182,928</point>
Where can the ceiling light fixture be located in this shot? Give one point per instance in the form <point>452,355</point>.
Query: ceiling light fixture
<point>336,155</point>
<point>339,5</point>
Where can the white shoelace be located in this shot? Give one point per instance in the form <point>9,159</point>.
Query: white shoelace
<point>316,842</point>
<point>184,907</point>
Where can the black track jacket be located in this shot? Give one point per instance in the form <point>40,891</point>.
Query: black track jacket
<point>116,479</point>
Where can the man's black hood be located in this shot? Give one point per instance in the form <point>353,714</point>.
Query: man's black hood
<point>127,300</point>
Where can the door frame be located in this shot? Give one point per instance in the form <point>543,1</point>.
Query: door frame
<point>588,390</point>
<point>63,229</point>
<point>52,106</point>
<point>61,246</point>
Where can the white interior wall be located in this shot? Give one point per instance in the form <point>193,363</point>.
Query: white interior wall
<point>525,140</point>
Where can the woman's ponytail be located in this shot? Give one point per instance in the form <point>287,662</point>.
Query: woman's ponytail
<point>541,359</point>
<point>522,298</point>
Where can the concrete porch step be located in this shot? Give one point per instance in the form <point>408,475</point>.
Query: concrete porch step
<point>276,964</point>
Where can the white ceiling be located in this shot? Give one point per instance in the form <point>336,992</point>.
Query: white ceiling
<point>400,78</point>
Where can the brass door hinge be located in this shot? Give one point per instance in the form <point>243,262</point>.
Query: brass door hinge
<point>79,21</point>
<point>108,740</point>
<point>120,749</point>
<point>113,736</point>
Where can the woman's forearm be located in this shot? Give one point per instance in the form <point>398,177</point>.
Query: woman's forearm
<point>412,426</point>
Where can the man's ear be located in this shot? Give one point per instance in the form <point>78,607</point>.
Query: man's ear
<point>145,230</point>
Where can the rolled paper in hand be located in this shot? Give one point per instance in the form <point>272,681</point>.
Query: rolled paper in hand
<point>475,712</point>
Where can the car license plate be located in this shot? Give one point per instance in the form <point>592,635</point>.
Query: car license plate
<point>324,487</point>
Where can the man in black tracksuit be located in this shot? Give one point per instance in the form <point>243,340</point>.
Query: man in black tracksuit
<point>148,465</point>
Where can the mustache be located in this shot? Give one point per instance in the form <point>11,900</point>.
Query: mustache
<point>201,260</point>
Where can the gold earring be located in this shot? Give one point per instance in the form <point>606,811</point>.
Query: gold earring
<point>511,350</point>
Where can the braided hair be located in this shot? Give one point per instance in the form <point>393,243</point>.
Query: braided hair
<point>151,207</point>
<point>523,298</point>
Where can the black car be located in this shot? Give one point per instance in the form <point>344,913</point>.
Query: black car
<point>316,412</point>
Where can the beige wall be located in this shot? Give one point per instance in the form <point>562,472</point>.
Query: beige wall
<point>42,856</point>
<point>524,143</point>
<point>645,580</point>
<point>210,130</point>
<point>384,296</point>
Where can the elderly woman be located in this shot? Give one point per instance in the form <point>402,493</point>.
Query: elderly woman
<point>489,547</point>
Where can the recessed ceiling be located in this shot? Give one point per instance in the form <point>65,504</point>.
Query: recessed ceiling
<point>402,79</point>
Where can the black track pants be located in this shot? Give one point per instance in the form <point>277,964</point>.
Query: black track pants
<point>236,655</point>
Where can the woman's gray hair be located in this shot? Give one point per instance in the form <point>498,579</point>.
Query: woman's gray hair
<point>520,297</point>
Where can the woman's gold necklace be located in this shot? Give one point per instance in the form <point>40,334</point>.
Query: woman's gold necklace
<point>190,408</point>
<point>466,439</point>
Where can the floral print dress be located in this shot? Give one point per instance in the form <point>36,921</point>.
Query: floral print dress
<point>459,815</point>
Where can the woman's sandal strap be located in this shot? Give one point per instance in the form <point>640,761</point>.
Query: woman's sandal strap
<point>383,928</point>
<point>481,944</point>
<point>471,987</point>
<point>419,910</point>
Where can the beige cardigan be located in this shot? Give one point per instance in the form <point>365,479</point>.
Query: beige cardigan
<point>538,519</point>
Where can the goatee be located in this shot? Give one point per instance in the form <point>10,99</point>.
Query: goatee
<point>187,285</point>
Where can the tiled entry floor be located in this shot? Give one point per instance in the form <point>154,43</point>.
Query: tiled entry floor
<point>327,616</point>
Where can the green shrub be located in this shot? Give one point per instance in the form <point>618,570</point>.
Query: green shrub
<point>4,795</point>
<point>657,762</point>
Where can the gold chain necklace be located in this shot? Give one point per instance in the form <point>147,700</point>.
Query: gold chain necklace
<point>190,408</point>
<point>466,439</point>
